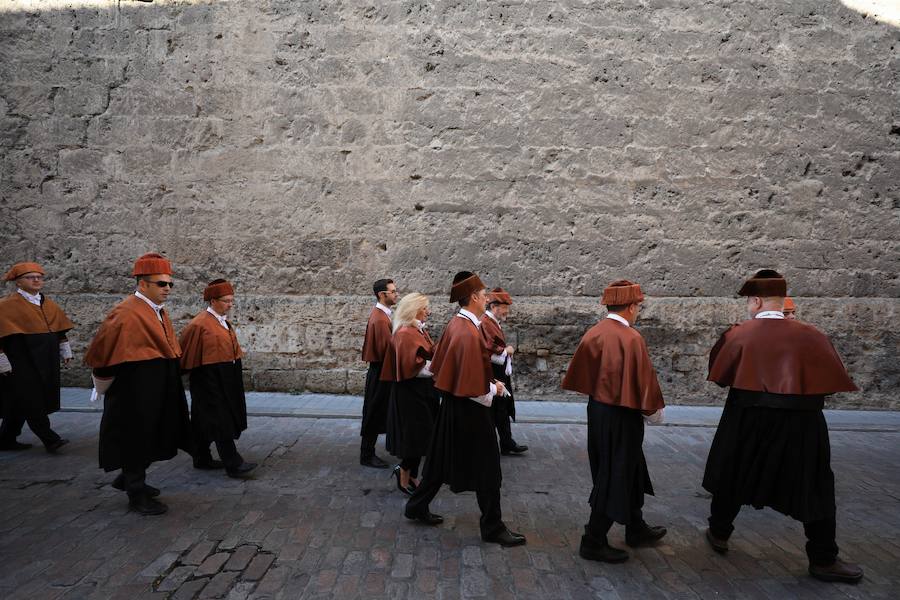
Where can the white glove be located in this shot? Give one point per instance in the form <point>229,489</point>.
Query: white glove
<point>65,350</point>
<point>426,370</point>
<point>101,386</point>
<point>507,368</point>
<point>5,367</point>
<point>656,418</point>
<point>488,398</point>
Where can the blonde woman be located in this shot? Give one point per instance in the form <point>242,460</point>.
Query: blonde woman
<point>413,402</point>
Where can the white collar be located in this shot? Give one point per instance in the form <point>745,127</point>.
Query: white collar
<point>419,324</point>
<point>769,314</point>
<point>470,316</point>
<point>33,298</point>
<point>384,309</point>
<point>491,315</point>
<point>618,318</point>
<point>153,305</point>
<point>223,321</point>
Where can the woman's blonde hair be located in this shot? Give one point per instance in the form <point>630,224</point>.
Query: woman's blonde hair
<point>409,305</point>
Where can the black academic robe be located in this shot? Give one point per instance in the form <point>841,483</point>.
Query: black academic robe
<point>218,404</point>
<point>145,416</point>
<point>375,402</point>
<point>615,437</point>
<point>503,405</point>
<point>32,389</point>
<point>773,450</point>
<point>412,411</point>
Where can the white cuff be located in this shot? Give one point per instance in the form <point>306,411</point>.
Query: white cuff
<point>102,385</point>
<point>426,370</point>
<point>499,359</point>
<point>488,398</point>
<point>5,366</point>
<point>65,350</point>
<point>656,418</point>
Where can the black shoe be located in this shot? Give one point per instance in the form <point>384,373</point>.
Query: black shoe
<point>426,517</point>
<point>145,505</point>
<point>119,484</point>
<point>240,471</point>
<point>14,446</point>
<point>514,449</point>
<point>718,544</point>
<point>53,447</point>
<point>590,549</point>
<point>395,472</point>
<point>643,535</point>
<point>373,461</point>
<point>838,572</point>
<point>208,464</point>
<point>505,538</point>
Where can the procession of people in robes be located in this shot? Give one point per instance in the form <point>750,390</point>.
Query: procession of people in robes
<point>449,403</point>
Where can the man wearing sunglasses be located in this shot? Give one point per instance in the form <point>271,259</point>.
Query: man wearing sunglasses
<point>135,361</point>
<point>32,343</point>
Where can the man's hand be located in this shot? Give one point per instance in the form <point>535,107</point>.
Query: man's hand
<point>510,350</point>
<point>501,389</point>
<point>65,352</point>
<point>5,366</point>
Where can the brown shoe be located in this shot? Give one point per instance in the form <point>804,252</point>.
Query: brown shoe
<point>718,544</point>
<point>838,571</point>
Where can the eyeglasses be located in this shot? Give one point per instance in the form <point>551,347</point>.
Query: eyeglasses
<point>163,284</point>
<point>32,277</point>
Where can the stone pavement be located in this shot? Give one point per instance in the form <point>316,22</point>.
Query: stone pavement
<point>314,524</point>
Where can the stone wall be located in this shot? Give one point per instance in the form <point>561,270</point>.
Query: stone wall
<point>303,149</point>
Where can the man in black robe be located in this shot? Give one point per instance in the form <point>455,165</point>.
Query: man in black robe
<point>135,361</point>
<point>377,394</point>
<point>32,343</point>
<point>771,447</point>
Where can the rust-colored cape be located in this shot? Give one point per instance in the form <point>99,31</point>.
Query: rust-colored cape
<point>18,315</point>
<point>493,335</point>
<point>407,353</point>
<point>205,342</point>
<point>378,336</point>
<point>612,365</point>
<point>131,332</point>
<point>778,356</point>
<point>461,363</point>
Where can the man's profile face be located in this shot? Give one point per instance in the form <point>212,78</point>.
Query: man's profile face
<point>30,282</point>
<point>389,297</point>
<point>501,311</point>
<point>222,305</point>
<point>150,287</point>
<point>478,302</point>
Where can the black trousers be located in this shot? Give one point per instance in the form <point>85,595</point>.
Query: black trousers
<point>11,428</point>
<point>599,524</point>
<point>227,452</point>
<point>491,521</point>
<point>367,445</point>
<point>821,547</point>
<point>411,464</point>
<point>501,421</point>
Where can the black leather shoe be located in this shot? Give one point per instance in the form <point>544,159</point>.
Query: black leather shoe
<point>718,544</point>
<point>591,550</point>
<point>240,471</point>
<point>373,461</point>
<point>208,464</point>
<point>514,449</point>
<point>145,505</point>
<point>643,535</point>
<point>14,446</point>
<point>119,484</point>
<point>53,447</point>
<point>838,572</point>
<point>427,517</point>
<point>505,538</point>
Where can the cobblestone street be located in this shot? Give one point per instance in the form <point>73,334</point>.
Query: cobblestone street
<point>314,524</point>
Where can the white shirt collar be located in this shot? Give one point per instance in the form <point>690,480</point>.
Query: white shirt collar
<point>419,324</point>
<point>153,305</point>
<point>618,318</point>
<point>384,309</point>
<point>33,298</point>
<point>769,314</point>
<point>223,321</point>
<point>468,315</point>
<point>491,315</point>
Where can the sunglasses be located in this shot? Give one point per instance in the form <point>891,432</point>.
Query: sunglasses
<point>163,284</point>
